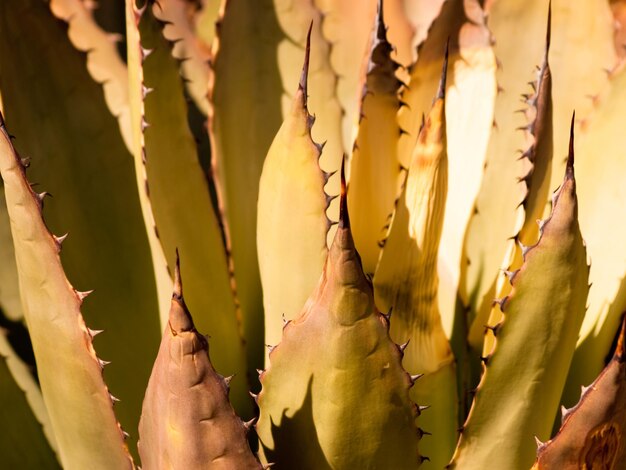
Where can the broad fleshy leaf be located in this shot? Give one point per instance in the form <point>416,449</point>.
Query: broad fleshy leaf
<point>68,369</point>
<point>524,376</point>
<point>187,421</point>
<point>582,31</point>
<point>348,30</point>
<point>602,192</point>
<point>292,223</point>
<point>184,214</point>
<point>336,381</point>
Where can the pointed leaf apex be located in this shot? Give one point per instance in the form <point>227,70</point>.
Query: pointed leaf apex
<point>441,92</point>
<point>549,28</point>
<point>620,349</point>
<point>381,31</point>
<point>569,169</point>
<point>179,319</point>
<point>305,67</point>
<point>344,218</point>
<point>178,281</point>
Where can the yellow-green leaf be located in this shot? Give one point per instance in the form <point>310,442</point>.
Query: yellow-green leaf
<point>70,374</point>
<point>292,224</point>
<point>602,192</point>
<point>335,382</point>
<point>524,376</point>
<point>184,214</point>
<point>348,29</point>
<point>245,114</point>
<point>580,30</point>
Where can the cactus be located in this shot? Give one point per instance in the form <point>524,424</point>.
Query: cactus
<point>357,215</point>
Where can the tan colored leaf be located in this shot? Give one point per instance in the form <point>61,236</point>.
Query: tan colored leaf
<point>187,421</point>
<point>592,433</point>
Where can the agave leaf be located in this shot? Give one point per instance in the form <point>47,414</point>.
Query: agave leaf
<point>375,175</point>
<point>107,68</point>
<point>525,373</point>
<point>247,93</point>
<point>591,435</point>
<point>604,233</point>
<point>186,420</point>
<point>184,213</point>
<point>68,368</point>
<point>336,380</point>
<point>23,443</point>
<point>10,302</point>
<point>406,284</point>
<point>538,157</point>
<point>180,28</point>
<point>79,155</point>
<point>515,26</point>
<point>469,110</point>
<point>292,224</point>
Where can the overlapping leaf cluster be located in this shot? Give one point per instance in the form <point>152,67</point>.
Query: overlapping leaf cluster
<point>404,252</point>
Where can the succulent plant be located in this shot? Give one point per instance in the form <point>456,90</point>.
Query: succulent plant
<point>394,266</point>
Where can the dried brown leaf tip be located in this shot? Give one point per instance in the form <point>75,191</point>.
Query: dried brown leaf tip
<point>186,416</point>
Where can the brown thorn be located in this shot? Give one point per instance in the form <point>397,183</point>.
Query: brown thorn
<point>569,168</point>
<point>305,67</point>
<point>344,218</point>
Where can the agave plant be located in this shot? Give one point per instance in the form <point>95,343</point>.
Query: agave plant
<point>394,265</point>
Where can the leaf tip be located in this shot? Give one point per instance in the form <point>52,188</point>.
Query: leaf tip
<point>305,67</point>
<point>344,218</point>
<point>441,92</point>
<point>569,168</point>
